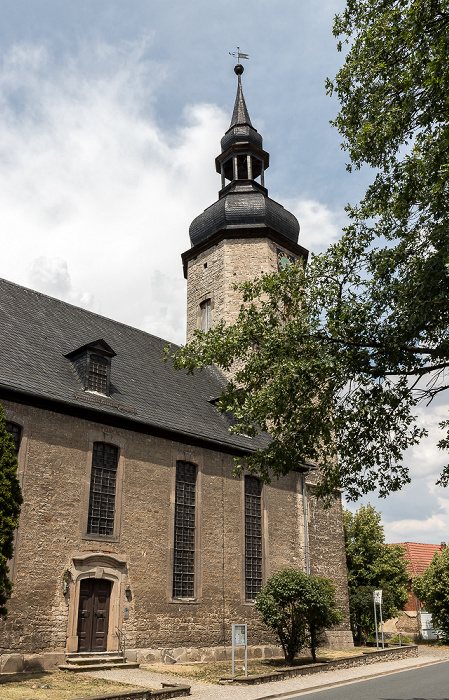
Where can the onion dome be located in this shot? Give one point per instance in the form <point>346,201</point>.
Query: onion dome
<point>244,202</point>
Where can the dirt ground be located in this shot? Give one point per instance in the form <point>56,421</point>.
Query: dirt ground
<point>58,685</point>
<point>212,672</point>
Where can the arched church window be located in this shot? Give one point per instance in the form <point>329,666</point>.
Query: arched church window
<point>184,544</point>
<point>16,432</point>
<point>102,489</point>
<point>253,537</point>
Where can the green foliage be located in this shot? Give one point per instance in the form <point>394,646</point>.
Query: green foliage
<point>332,360</point>
<point>319,398</point>
<point>10,501</point>
<point>298,608</point>
<point>404,639</point>
<point>432,589</point>
<point>372,565</point>
<point>394,117</point>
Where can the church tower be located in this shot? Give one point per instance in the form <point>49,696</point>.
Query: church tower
<point>243,234</point>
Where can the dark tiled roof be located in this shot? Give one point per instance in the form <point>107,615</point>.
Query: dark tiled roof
<point>37,331</point>
<point>244,205</point>
<point>419,555</point>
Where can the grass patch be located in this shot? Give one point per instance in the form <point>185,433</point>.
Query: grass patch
<point>439,643</point>
<point>212,672</point>
<point>58,685</point>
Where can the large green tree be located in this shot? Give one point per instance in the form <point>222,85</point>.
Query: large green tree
<point>10,501</point>
<point>298,608</point>
<point>393,90</point>
<point>332,360</point>
<point>432,589</point>
<point>372,565</point>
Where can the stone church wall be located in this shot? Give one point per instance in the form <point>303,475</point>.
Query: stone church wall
<point>54,467</point>
<point>328,559</point>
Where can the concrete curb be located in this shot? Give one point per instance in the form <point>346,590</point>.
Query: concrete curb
<point>367,657</point>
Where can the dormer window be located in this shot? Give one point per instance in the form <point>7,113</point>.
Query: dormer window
<point>92,363</point>
<point>98,374</point>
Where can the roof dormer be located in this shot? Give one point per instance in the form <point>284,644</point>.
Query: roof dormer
<point>92,364</point>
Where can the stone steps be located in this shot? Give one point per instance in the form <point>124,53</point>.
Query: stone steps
<point>91,661</point>
<point>96,667</point>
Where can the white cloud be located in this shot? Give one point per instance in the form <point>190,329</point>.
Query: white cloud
<point>320,226</point>
<point>422,498</point>
<point>51,276</point>
<point>96,196</point>
<point>433,530</point>
<point>426,459</point>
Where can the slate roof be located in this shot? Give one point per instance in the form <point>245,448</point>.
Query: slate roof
<point>240,115</point>
<point>37,331</point>
<point>244,203</point>
<point>240,128</point>
<point>244,206</point>
<point>420,555</point>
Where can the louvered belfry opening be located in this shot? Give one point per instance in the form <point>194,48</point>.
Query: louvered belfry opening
<point>98,374</point>
<point>102,489</point>
<point>253,537</point>
<point>206,315</point>
<point>184,545</point>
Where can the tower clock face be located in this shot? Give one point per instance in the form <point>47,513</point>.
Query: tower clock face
<point>285,260</point>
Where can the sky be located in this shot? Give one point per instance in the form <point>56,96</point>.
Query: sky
<point>111,115</point>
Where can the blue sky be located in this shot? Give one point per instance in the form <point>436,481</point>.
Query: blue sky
<point>111,115</point>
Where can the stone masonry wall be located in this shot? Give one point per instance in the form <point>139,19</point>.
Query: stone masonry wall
<point>56,460</point>
<point>328,558</point>
<point>230,262</point>
<point>234,261</point>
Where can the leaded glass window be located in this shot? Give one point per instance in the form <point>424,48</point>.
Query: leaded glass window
<point>102,489</point>
<point>16,432</point>
<point>253,537</point>
<point>98,374</point>
<point>184,546</point>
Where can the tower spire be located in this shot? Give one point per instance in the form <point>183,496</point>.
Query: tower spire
<point>243,202</point>
<point>240,115</point>
<point>243,233</point>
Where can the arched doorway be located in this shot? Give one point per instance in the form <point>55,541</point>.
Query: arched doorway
<point>93,614</point>
<point>96,596</point>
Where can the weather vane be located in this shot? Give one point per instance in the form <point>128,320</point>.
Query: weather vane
<point>238,54</point>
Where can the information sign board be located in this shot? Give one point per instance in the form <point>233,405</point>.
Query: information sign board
<point>239,635</point>
<point>239,639</point>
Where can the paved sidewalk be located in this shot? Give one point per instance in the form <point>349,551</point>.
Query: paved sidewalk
<point>205,691</point>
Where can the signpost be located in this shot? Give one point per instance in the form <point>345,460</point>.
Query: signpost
<point>377,599</point>
<point>239,639</point>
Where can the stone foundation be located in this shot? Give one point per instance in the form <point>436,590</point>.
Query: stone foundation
<point>30,663</point>
<point>339,640</point>
<point>202,654</point>
<point>49,661</point>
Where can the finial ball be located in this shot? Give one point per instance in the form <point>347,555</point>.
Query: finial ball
<point>238,70</point>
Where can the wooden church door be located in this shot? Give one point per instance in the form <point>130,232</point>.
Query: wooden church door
<point>93,614</point>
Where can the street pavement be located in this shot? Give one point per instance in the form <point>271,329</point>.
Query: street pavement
<point>429,682</point>
<point>305,686</point>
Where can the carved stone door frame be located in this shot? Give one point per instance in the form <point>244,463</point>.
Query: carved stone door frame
<point>96,565</point>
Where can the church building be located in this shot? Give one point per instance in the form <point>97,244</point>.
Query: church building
<point>132,526</point>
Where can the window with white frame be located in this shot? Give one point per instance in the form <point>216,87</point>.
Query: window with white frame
<point>206,314</point>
